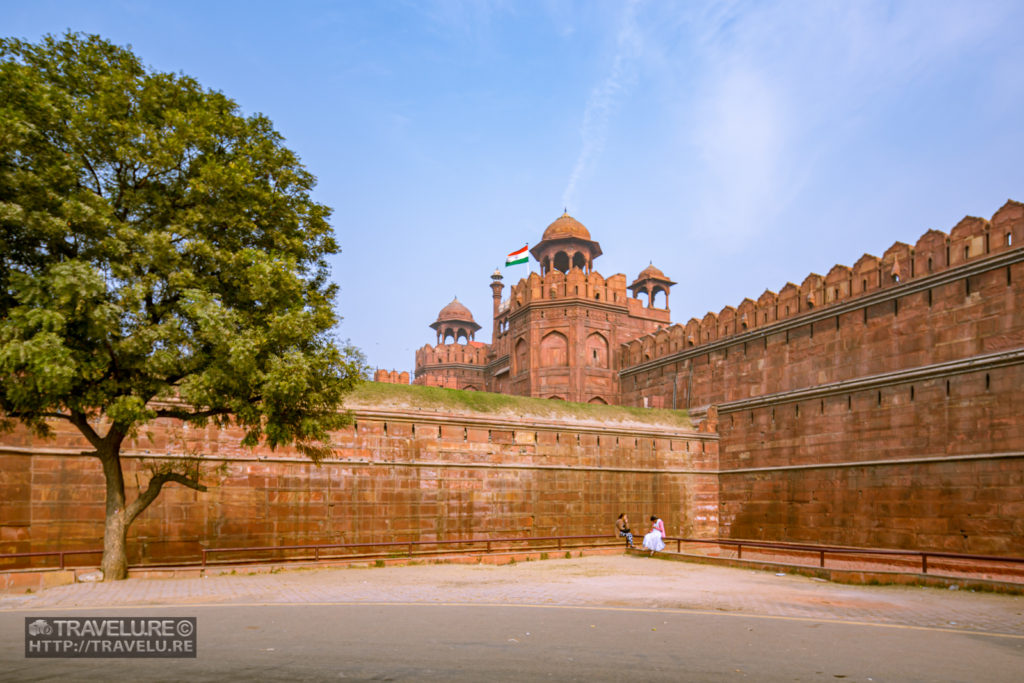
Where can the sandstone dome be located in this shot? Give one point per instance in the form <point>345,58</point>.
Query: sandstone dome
<point>455,311</point>
<point>652,273</point>
<point>565,226</point>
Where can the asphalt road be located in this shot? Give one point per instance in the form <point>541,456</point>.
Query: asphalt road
<point>452,642</point>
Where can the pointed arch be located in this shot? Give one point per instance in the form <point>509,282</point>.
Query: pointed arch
<point>596,351</point>
<point>554,350</point>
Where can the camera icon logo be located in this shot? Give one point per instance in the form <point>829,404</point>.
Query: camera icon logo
<point>40,627</point>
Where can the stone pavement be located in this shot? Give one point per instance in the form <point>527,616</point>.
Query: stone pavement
<point>611,581</point>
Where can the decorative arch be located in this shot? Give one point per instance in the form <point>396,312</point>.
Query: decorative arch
<point>597,351</point>
<point>522,356</point>
<point>561,262</point>
<point>597,400</point>
<point>554,350</point>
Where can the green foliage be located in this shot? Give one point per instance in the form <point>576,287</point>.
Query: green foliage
<point>160,255</point>
<point>447,400</point>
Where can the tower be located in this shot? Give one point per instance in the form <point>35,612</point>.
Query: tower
<point>558,333</point>
<point>496,289</point>
<point>566,244</point>
<point>455,321</point>
<point>651,281</point>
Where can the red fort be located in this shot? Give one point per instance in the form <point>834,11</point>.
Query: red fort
<point>879,405</point>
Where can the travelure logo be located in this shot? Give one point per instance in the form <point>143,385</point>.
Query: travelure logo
<point>110,637</point>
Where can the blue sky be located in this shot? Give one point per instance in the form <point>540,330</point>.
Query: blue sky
<point>737,145</point>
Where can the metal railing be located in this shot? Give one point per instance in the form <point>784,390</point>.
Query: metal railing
<point>53,553</point>
<point>822,550</point>
<point>323,551</point>
<point>384,549</point>
<point>410,547</point>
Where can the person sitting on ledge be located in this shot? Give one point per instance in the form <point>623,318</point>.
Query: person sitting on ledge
<point>652,541</point>
<point>622,527</point>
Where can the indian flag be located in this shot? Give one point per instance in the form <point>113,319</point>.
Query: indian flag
<point>517,257</point>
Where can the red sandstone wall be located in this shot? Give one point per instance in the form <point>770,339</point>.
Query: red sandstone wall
<point>394,479</point>
<point>894,419</point>
<point>956,506</point>
<point>905,332</point>
<point>955,482</point>
<point>554,324</point>
<point>964,316</point>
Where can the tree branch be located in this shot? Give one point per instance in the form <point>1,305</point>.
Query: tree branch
<point>81,422</point>
<point>179,414</point>
<point>135,508</point>
<point>92,172</point>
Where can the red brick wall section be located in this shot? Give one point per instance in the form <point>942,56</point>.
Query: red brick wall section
<point>954,506</point>
<point>965,316</point>
<point>393,479</point>
<point>955,482</point>
<point>920,367</point>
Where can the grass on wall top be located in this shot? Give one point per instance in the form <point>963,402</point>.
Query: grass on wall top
<point>378,394</point>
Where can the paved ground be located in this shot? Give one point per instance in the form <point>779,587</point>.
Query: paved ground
<point>602,617</point>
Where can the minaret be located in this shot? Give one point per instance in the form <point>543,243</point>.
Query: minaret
<point>496,288</point>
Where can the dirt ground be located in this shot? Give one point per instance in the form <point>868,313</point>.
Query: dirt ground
<point>600,581</point>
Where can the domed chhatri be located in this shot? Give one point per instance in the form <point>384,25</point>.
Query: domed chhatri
<point>566,244</point>
<point>455,312</point>
<point>455,321</point>
<point>566,226</point>
<point>650,282</point>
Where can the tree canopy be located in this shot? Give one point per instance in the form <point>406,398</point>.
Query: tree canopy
<point>160,256</point>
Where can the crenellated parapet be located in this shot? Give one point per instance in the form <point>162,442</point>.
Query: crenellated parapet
<point>970,240</point>
<point>474,353</point>
<point>391,376</point>
<point>573,285</point>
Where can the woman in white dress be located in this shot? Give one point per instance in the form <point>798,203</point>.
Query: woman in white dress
<point>652,541</point>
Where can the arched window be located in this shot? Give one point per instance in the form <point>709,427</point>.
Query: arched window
<point>579,261</point>
<point>554,350</point>
<point>561,262</point>
<point>597,351</point>
<point>521,357</point>
<point>654,297</point>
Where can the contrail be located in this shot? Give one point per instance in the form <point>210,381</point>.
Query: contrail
<point>603,98</point>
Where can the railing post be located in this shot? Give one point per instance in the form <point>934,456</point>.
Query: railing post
<point>679,545</point>
<point>410,549</point>
<point>559,542</point>
<point>822,558</point>
<point>316,553</point>
<point>739,551</point>
<point>488,546</point>
<point>204,558</point>
<point>924,563</point>
<point>62,559</point>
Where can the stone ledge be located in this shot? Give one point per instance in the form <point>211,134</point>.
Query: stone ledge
<point>848,576</point>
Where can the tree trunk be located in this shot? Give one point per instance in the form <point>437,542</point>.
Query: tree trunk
<point>115,533</point>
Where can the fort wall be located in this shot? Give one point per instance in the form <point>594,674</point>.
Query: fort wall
<point>880,405</point>
<point>395,476</point>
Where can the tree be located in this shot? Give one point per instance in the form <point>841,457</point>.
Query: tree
<point>160,257</point>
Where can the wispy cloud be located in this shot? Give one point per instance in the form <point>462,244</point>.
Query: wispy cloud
<point>602,102</point>
<point>779,89</point>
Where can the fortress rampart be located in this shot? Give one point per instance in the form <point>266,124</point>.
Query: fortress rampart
<point>883,293</point>
<point>879,406</point>
<point>396,475</point>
